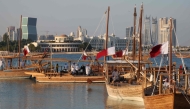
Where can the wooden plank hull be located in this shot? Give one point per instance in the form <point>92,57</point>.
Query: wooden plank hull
<point>71,79</point>
<point>128,92</point>
<point>166,101</point>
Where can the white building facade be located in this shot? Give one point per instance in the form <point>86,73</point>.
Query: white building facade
<point>164,30</point>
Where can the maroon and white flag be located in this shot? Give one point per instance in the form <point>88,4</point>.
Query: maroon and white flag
<point>107,52</point>
<point>159,49</point>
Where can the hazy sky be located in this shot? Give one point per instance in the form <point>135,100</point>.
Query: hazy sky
<point>64,16</point>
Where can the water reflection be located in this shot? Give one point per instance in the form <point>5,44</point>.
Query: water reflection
<point>26,94</point>
<point>112,103</point>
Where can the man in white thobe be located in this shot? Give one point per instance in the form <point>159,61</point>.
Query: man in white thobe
<point>73,68</point>
<point>87,70</point>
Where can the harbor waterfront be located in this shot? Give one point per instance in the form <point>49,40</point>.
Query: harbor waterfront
<point>28,94</point>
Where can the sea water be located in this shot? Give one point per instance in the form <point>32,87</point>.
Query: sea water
<point>26,94</point>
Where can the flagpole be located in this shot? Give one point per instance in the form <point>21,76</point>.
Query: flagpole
<point>106,41</point>
<point>140,43</point>
<point>134,33</point>
<point>170,54</point>
<point>20,40</point>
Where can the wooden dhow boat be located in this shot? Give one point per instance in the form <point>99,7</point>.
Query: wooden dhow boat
<point>130,69</point>
<point>173,97</point>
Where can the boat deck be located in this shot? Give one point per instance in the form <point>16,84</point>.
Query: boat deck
<point>65,77</point>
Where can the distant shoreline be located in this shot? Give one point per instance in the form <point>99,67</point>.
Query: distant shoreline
<point>59,52</point>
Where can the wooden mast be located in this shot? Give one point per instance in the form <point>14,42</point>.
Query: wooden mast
<point>134,33</point>
<point>170,53</point>
<point>20,34</point>
<point>106,40</point>
<point>140,43</point>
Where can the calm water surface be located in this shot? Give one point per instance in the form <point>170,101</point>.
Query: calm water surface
<point>26,94</point>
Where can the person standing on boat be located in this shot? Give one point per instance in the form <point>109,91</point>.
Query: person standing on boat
<point>65,67</point>
<point>73,68</point>
<point>166,84</point>
<point>57,67</point>
<point>76,69</point>
<point>83,70</point>
<point>9,64</point>
<point>115,76</point>
<point>87,70</point>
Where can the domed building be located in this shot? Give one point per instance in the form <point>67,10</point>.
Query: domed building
<point>61,38</point>
<point>61,43</point>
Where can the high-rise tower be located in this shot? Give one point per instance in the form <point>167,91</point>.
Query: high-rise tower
<point>129,32</point>
<point>147,34</point>
<point>154,35</point>
<point>29,30</point>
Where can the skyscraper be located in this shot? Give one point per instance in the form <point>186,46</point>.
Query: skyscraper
<point>29,30</point>
<point>129,32</point>
<point>154,31</point>
<point>164,30</point>
<point>147,34</point>
<point>11,33</point>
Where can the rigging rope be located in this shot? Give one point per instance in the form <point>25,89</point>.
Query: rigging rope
<point>181,56</point>
<point>155,62</point>
<point>116,44</point>
<point>157,75</point>
<point>92,38</point>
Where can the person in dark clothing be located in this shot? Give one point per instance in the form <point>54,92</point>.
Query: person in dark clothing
<point>57,66</point>
<point>83,69</point>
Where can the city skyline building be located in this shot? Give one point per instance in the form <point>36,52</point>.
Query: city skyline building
<point>11,33</point>
<point>154,35</point>
<point>147,32</point>
<point>129,32</point>
<point>164,30</point>
<point>29,30</point>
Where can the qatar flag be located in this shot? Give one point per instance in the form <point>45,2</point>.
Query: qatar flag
<point>26,50</point>
<point>159,49</point>
<point>106,52</point>
<point>121,53</point>
<point>118,54</point>
<point>84,56</point>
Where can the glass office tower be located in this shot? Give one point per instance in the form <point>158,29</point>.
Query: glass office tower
<point>29,30</point>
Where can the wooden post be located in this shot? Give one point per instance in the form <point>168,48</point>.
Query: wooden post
<point>69,66</point>
<point>160,85</point>
<point>154,75</point>
<point>140,44</point>
<point>145,79</point>
<point>19,40</point>
<point>134,33</point>
<point>178,76</point>
<point>186,82</point>
<point>170,53</point>
<point>106,41</point>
